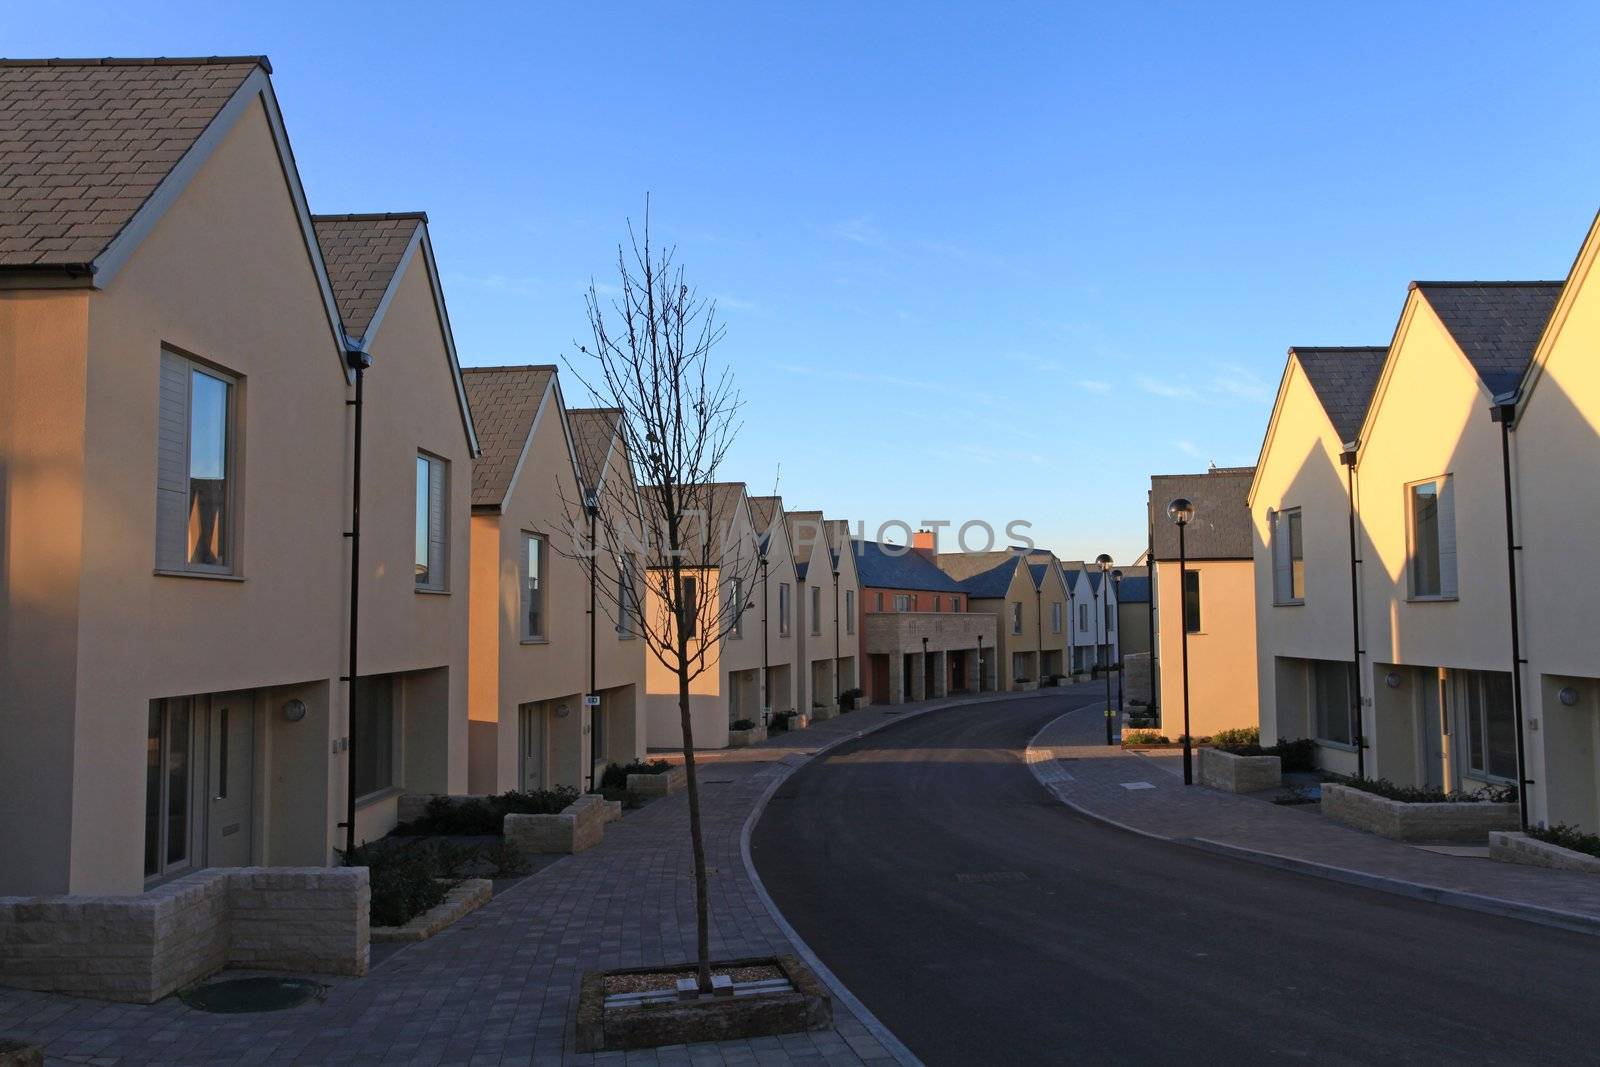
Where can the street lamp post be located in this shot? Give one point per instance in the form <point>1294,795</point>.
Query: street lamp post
<point>1116,587</point>
<point>1103,561</point>
<point>1181,512</point>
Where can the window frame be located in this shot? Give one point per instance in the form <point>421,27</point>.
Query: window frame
<point>1186,601</point>
<point>1055,616</point>
<point>1477,725</point>
<point>849,611</point>
<point>1445,533</point>
<point>1016,617</point>
<point>627,598</point>
<point>231,474</point>
<point>902,603</point>
<point>785,608</point>
<point>1314,703</point>
<point>526,633</point>
<point>396,777</point>
<point>194,789</point>
<point>736,630</point>
<point>1286,524</point>
<point>815,608</point>
<point>438,571</point>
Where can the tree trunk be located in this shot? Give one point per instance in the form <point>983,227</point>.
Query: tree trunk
<point>697,838</point>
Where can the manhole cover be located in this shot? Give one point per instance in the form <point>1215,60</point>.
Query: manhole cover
<point>232,996</point>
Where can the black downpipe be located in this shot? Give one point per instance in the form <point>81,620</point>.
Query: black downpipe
<point>766,671</point>
<point>836,647</point>
<point>358,360</point>
<point>1349,460</point>
<point>1150,573</point>
<point>1504,414</point>
<point>594,712</point>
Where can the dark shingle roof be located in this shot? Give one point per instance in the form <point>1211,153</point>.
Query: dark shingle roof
<point>982,574</point>
<point>1344,380</point>
<point>1133,589</point>
<point>504,401</point>
<point>765,511</point>
<point>84,142</point>
<point>1038,570</point>
<point>805,533</point>
<point>592,433</point>
<point>899,567</point>
<point>1221,525</point>
<point>362,252</point>
<point>1496,324</point>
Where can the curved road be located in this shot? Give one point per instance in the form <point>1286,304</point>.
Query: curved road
<point>985,923</point>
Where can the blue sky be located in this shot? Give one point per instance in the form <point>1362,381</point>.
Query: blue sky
<point>996,261</point>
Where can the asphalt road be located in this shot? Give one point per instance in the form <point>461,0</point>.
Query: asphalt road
<point>985,923</point>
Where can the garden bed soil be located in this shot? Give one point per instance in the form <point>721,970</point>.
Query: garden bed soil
<point>640,981</point>
<point>805,1006</point>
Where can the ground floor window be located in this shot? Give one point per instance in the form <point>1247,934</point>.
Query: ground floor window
<point>1487,704</point>
<point>169,786</point>
<point>1331,696</point>
<point>372,743</point>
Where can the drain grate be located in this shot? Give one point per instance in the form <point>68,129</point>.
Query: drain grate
<point>234,996</point>
<point>991,877</point>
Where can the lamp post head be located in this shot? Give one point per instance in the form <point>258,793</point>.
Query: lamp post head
<point>1180,511</point>
<point>1103,561</point>
<point>1116,575</point>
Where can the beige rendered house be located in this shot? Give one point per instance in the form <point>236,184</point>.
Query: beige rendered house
<point>825,587</point>
<point>1430,493</point>
<point>779,584</point>
<point>176,449</point>
<point>1300,511</point>
<point>847,593</point>
<point>1052,631</point>
<point>1221,613</point>
<point>729,689</point>
<point>530,725</point>
<point>1000,584</point>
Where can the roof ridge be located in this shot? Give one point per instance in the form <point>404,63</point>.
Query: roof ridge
<point>1484,285</point>
<point>594,411</point>
<point>135,61</point>
<point>372,216</point>
<point>1338,348</point>
<point>511,366</point>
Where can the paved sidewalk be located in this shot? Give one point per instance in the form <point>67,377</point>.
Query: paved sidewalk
<point>1097,779</point>
<point>500,986</point>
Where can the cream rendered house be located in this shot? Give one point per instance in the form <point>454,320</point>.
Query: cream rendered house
<point>1051,617</point>
<point>846,582</point>
<point>530,725</point>
<point>819,637</point>
<point>1221,612</point>
<point>1001,584</point>
<point>779,583</point>
<point>1300,510</point>
<point>1430,488</point>
<point>409,732</point>
<point>729,688</point>
<point>176,451</point>
<point>1555,451</point>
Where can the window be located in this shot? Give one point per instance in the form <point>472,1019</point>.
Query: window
<point>627,597</point>
<point>938,603</point>
<point>902,602</point>
<point>1432,521</point>
<point>1332,695</point>
<point>1111,617</point>
<point>195,468</point>
<point>1191,601</point>
<point>1055,618</point>
<point>688,604</point>
<point>955,603</point>
<point>168,786</point>
<point>373,734</point>
<point>1491,723</point>
<point>783,609</point>
<point>1016,617</point>
<point>877,600</point>
<point>534,560</point>
<point>738,609</point>
<point>850,611</point>
<point>1083,616</point>
<point>432,474</point>
<point>816,609</point>
<point>1288,558</point>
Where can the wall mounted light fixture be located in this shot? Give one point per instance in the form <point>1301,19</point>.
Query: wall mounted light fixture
<point>294,710</point>
<point>1568,696</point>
<point>1392,679</point>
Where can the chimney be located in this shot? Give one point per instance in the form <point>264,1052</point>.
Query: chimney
<point>925,543</point>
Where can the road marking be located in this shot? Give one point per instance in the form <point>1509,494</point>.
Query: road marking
<point>1137,785</point>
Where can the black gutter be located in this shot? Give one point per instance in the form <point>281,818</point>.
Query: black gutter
<point>358,360</point>
<point>1505,414</point>
<point>1348,458</point>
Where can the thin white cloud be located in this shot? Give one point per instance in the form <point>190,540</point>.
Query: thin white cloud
<point>1188,448</point>
<point>1094,386</point>
<point>1161,387</point>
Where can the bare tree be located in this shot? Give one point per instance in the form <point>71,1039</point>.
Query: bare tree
<point>667,562</point>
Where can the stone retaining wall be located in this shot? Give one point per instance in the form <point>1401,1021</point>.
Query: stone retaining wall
<point>746,738</point>
<point>1239,774</point>
<point>1513,846</point>
<point>581,826</point>
<point>463,899</point>
<point>659,784</point>
<point>1136,678</point>
<point>140,948</point>
<point>1460,823</point>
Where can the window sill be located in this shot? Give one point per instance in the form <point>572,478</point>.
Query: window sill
<point>432,592</point>
<point>1338,746</point>
<point>627,637</point>
<point>386,793</point>
<point>1431,599</point>
<point>205,575</point>
<point>535,641</point>
<point>1289,603</point>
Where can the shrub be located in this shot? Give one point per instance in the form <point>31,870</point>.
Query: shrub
<point>1244,735</point>
<point>848,698</point>
<point>405,881</point>
<point>1144,737</point>
<point>1426,794</point>
<point>1567,837</point>
<point>741,724</point>
<point>779,722</point>
<point>486,815</point>
<point>1297,755</point>
<point>615,776</point>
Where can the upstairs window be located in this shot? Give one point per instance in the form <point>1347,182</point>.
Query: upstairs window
<point>955,603</point>
<point>783,609</point>
<point>432,479</point>
<point>1016,617</point>
<point>737,630</point>
<point>1288,558</point>
<point>1191,601</point>
<point>902,602</point>
<point>534,556</point>
<point>1083,617</point>
<point>1432,527</point>
<point>196,441</point>
<point>1055,618</point>
<point>688,604</point>
<point>850,611</point>
<point>877,601</point>
<point>627,597</point>
<point>816,610</point>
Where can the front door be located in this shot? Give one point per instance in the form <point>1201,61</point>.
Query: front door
<point>531,773</point>
<point>1435,733</point>
<point>230,769</point>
